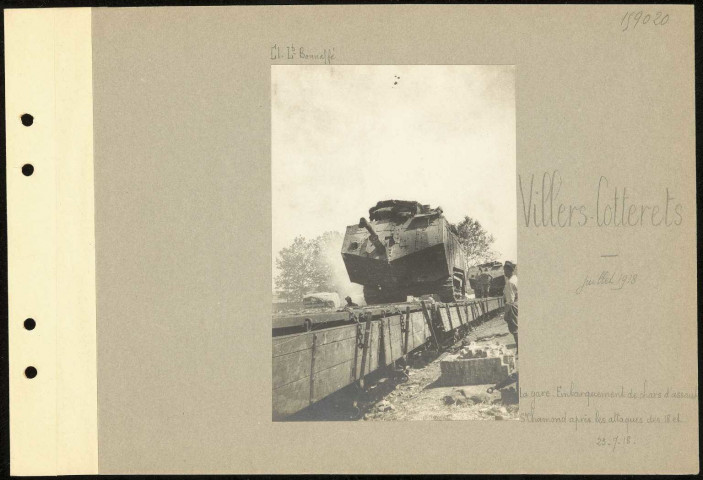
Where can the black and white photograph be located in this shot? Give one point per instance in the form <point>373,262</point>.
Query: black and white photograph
<point>394,242</point>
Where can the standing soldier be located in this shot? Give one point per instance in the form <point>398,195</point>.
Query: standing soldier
<point>510,294</point>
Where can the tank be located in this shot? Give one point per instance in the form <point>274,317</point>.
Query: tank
<point>487,279</point>
<point>404,249</point>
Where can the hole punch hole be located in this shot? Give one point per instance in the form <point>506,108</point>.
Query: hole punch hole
<point>30,372</point>
<point>27,120</point>
<point>29,324</point>
<point>27,169</point>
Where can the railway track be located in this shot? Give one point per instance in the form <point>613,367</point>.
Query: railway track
<point>315,355</point>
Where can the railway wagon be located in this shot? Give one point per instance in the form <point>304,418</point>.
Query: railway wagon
<point>333,350</point>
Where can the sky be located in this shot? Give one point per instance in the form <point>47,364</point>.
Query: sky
<point>345,137</point>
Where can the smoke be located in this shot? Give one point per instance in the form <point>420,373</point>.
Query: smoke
<point>331,251</point>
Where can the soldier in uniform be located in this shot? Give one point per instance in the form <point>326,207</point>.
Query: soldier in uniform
<point>350,303</point>
<point>510,294</point>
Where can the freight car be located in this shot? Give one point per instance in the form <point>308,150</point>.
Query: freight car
<point>315,355</point>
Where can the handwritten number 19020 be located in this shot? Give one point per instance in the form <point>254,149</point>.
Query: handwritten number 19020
<point>642,18</point>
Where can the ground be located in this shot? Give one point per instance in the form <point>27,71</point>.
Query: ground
<point>420,398</point>
<point>414,393</point>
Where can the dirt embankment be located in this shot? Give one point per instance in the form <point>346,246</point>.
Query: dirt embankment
<point>420,395</point>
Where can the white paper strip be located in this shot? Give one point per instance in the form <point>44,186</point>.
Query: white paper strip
<point>51,248</point>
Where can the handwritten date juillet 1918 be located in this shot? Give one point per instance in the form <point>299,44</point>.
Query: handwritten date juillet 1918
<point>612,280</point>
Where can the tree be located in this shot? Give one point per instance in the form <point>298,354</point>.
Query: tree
<point>302,269</point>
<point>475,241</point>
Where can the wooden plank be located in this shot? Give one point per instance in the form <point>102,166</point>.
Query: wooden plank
<point>374,347</point>
<point>385,338</point>
<point>331,380</point>
<point>296,365</point>
<point>334,353</point>
<point>291,344</point>
<point>398,339</point>
<point>459,315</point>
<point>384,335</point>
<point>335,334</point>
<point>363,370</point>
<point>448,310</point>
<point>428,321</point>
<point>395,338</point>
<point>302,341</point>
<point>445,319</point>
<point>292,367</point>
<point>312,366</point>
<point>319,318</point>
<point>291,398</point>
<point>428,331</point>
<point>420,332</point>
<point>393,330</point>
<point>406,333</point>
<point>413,326</point>
<point>295,396</point>
<point>357,356</point>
